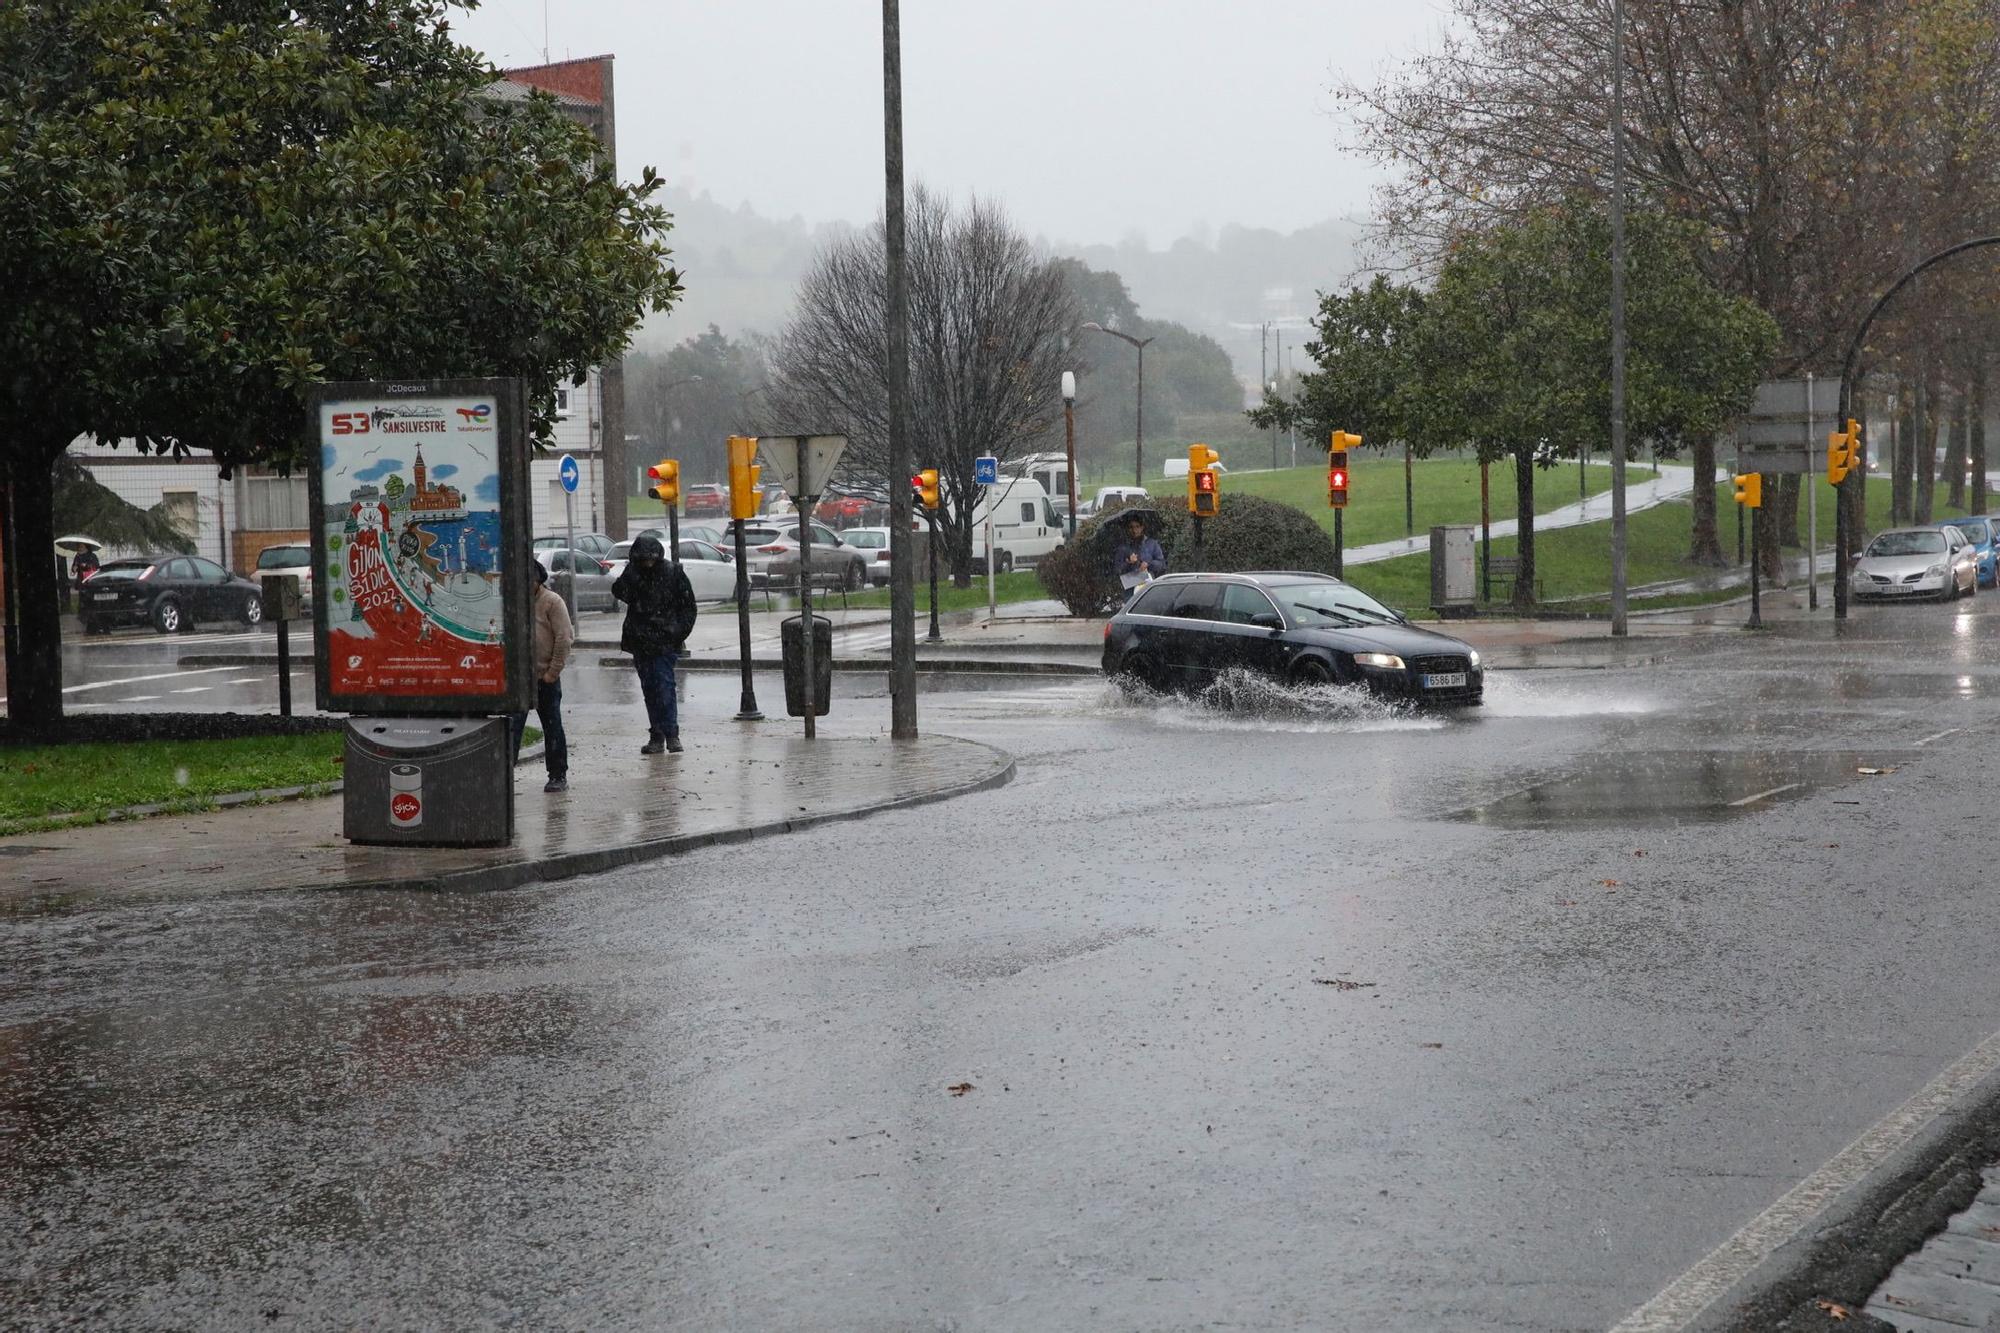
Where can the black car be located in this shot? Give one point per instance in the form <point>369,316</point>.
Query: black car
<point>168,592</point>
<point>1183,630</point>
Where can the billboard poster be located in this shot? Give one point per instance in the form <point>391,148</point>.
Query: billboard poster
<point>418,493</point>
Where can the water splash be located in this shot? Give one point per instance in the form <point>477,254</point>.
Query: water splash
<point>1566,694</point>
<point>1244,701</point>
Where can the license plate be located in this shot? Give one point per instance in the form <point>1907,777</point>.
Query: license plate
<point>1446,681</point>
<point>104,597</point>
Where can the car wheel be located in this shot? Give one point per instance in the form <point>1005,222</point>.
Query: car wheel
<point>852,578</point>
<point>1140,669</point>
<point>253,610</point>
<point>91,625</point>
<point>167,616</point>
<point>1006,562</point>
<point>1312,671</point>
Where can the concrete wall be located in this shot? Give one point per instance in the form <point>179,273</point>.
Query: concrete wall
<point>145,481</point>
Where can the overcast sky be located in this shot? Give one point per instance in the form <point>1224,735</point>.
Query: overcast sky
<point>1089,119</point>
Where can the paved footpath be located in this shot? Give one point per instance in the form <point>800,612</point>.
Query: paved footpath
<point>733,782</point>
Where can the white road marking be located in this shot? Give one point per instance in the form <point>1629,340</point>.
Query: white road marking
<point>1684,1300</point>
<point>139,680</point>
<point>139,699</point>
<point>1752,800</point>
<point>1940,735</point>
<point>195,689</point>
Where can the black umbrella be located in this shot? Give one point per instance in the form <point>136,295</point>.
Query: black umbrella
<point>1113,528</point>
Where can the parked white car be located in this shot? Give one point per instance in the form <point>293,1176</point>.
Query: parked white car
<point>288,559</point>
<point>1916,562</point>
<point>876,541</point>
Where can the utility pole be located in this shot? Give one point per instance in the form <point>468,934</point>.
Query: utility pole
<point>902,592</point>
<point>1139,412</point>
<point>1619,627</point>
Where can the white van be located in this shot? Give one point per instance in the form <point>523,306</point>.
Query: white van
<point>1111,498</point>
<point>1026,526</point>
<point>1051,470</point>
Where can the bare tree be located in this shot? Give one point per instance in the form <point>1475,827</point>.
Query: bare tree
<point>989,321</point>
<point>1824,144</point>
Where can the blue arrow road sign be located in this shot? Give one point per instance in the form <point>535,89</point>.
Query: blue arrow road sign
<point>986,470</point>
<point>569,472</point>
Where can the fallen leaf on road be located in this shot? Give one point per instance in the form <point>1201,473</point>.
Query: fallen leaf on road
<point>1874,772</point>
<point>1834,1310</point>
<point>1565,902</point>
<point>1339,984</point>
<point>959,1089</point>
<point>1608,883</point>
<point>1640,852</point>
<point>1430,1045</point>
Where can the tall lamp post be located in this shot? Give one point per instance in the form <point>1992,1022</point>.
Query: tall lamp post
<point>1139,408</point>
<point>1069,442</point>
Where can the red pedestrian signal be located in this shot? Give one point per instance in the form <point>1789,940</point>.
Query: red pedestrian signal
<point>1336,481</point>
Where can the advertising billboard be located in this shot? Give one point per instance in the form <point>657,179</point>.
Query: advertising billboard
<point>420,504</point>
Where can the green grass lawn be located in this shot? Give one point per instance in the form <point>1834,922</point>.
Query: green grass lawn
<point>1576,562</point>
<point>88,781</point>
<point>1017,587</point>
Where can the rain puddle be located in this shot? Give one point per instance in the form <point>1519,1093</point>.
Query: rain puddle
<point>1672,787</point>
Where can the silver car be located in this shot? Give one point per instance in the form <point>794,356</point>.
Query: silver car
<point>1916,562</point>
<point>587,573</point>
<point>773,549</point>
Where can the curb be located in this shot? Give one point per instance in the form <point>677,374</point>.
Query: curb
<point>935,666</point>
<point>489,878</point>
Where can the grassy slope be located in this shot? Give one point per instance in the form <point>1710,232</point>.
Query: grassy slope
<point>1575,562</point>
<point>39,781</point>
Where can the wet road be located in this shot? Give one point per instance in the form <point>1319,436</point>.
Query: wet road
<point>1297,1014</point>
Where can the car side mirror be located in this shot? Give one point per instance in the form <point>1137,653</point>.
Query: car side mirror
<point>1268,620</point>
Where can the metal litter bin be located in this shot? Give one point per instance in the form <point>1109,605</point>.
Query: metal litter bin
<point>793,638</point>
<point>429,782</point>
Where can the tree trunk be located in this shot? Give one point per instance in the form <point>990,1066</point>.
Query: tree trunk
<point>1704,547</point>
<point>1901,468</point>
<point>1923,454</point>
<point>1954,458</point>
<point>1788,510</point>
<point>1976,436</point>
<point>1524,513</point>
<point>34,682</point>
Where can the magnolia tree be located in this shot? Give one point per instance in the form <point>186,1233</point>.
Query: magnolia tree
<point>207,206</point>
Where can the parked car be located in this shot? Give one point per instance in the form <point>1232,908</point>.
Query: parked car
<point>294,559</point>
<point>1110,499</point>
<point>1915,562</point>
<point>590,543</point>
<point>772,549</point>
<point>169,592</point>
<point>875,540</point>
<point>1981,533</point>
<point>711,570</point>
<point>704,498</point>
<point>700,532</point>
<point>1184,630</point>
<point>843,510</point>
<point>590,575</point>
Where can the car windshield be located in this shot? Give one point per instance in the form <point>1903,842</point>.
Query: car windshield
<point>1907,543</point>
<point>622,551</point>
<point>1975,529</point>
<point>1317,602</point>
<point>873,541</point>
<point>281,557</point>
<point>123,570</point>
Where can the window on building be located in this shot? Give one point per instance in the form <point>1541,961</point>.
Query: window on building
<point>274,504</point>
<point>565,395</point>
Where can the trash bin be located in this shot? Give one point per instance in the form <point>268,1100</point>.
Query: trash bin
<point>1454,569</point>
<point>429,782</point>
<point>793,636</point>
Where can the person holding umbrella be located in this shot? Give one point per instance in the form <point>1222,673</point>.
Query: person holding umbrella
<point>1138,557</point>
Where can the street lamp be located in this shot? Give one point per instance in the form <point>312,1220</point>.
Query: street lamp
<point>1069,442</point>
<point>1139,408</point>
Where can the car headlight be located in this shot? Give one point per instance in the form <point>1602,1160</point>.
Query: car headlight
<point>1387,660</point>
<point>1475,659</point>
<point>1936,571</point>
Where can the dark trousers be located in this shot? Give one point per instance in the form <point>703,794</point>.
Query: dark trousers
<point>656,684</point>
<point>548,711</point>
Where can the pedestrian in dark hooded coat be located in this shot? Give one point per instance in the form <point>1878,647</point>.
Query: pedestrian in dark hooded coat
<point>659,615</point>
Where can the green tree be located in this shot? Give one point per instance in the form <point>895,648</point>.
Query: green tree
<point>687,401</point>
<point>206,206</point>
<point>1514,349</point>
<point>1365,353</point>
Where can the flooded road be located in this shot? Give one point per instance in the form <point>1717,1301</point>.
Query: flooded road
<point>1266,1010</point>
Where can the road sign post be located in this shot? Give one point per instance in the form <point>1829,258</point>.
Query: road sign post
<point>986,473</point>
<point>568,472</point>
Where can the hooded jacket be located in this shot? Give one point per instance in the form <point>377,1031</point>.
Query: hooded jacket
<point>659,602</point>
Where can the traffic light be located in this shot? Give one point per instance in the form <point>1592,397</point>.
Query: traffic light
<point>666,475</point>
<point>1750,490</point>
<point>1336,466</point>
<point>746,477</point>
<point>925,484</point>
<point>1203,489</point>
<point>1843,452</point>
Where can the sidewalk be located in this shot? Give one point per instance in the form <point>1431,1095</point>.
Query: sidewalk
<point>733,783</point>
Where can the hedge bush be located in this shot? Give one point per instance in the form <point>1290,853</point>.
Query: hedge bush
<point>1249,533</point>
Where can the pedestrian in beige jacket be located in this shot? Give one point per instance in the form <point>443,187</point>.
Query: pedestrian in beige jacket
<point>553,637</point>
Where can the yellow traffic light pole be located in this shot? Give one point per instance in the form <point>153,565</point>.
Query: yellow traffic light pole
<point>1337,445</point>
<point>744,478</point>
<point>925,488</point>
<point>1750,496</point>
<point>1204,491</point>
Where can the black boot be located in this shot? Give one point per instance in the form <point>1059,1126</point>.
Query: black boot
<point>673,742</point>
